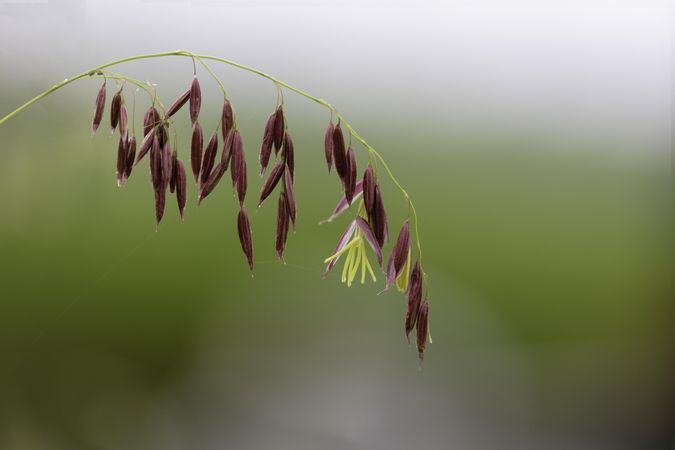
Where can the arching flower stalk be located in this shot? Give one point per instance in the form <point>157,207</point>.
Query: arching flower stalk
<point>367,232</point>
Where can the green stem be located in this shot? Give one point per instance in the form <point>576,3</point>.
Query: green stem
<point>320,101</point>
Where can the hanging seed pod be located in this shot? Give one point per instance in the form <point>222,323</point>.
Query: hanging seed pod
<point>146,144</point>
<point>211,182</point>
<point>227,119</point>
<point>282,225</point>
<point>328,145</point>
<point>242,182</point>
<point>289,154</point>
<point>290,195</point>
<point>237,157</point>
<point>379,217</point>
<point>181,187</point>
<point>195,99</point>
<point>150,120</point>
<point>172,179</point>
<point>115,109</point>
<point>227,148</point>
<point>369,190</point>
<point>121,160</point>
<point>267,142</point>
<point>131,155</point>
<point>339,155</point>
<point>162,134</point>
<point>350,176</point>
<point>209,157</point>
<point>99,107</point>
<point>160,203</point>
<point>414,299</point>
<point>196,149</point>
<point>271,181</point>
<point>400,252</point>
<point>166,165</point>
<point>244,229</point>
<point>422,329</point>
<point>156,164</point>
<point>123,122</point>
<point>178,104</point>
<point>279,126</point>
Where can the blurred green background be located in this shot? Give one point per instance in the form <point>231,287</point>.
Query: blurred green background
<point>547,239</point>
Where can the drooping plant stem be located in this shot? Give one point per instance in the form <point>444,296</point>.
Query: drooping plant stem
<point>94,72</point>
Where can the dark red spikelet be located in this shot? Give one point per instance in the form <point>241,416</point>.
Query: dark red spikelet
<point>289,154</point>
<point>328,145</point>
<point>121,160</point>
<point>209,157</point>
<point>369,190</point>
<point>400,252</point>
<point>279,126</point>
<point>267,142</point>
<point>172,179</point>
<point>422,329</point>
<point>178,104</point>
<point>379,217</point>
<point>181,187</point>
<point>166,165</point>
<point>131,156</point>
<point>339,154</point>
<point>123,126</point>
<point>272,180</point>
<point>244,229</point>
<point>242,182</point>
<point>156,164</point>
<point>211,182</point>
<point>282,225</point>
<point>226,156</point>
<point>146,144</point>
<point>115,109</point>
<point>99,107</point>
<point>414,298</point>
<point>290,195</point>
<point>196,149</point>
<point>237,157</point>
<point>227,119</point>
<point>195,99</point>
<point>350,176</point>
<point>150,120</point>
<point>162,134</point>
<point>160,203</point>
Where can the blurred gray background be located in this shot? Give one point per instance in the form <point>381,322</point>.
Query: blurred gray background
<point>534,137</point>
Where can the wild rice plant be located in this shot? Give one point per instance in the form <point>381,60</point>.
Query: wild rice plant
<point>368,229</point>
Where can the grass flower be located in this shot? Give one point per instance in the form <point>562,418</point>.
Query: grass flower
<point>369,228</point>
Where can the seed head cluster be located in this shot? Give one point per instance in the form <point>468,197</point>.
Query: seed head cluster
<point>370,226</point>
<point>210,159</point>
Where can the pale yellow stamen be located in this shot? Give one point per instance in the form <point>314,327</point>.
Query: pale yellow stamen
<point>355,264</point>
<point>343,250</point>
<point>350,256</point>
<point>363,264</point>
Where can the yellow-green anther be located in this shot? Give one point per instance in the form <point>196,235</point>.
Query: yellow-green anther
<point>355,264</point>
<point>350,256</point>
<point>343,250</point>
<point>363,264</point>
